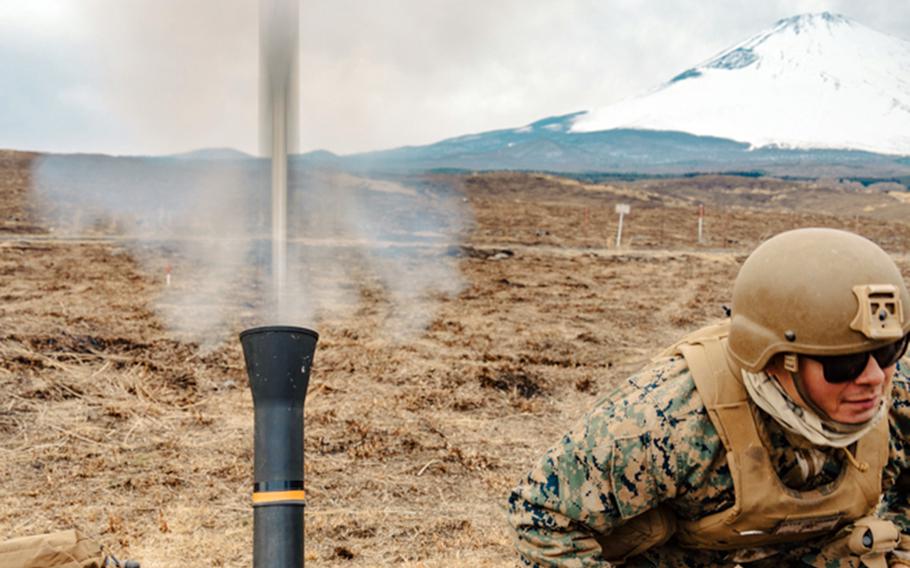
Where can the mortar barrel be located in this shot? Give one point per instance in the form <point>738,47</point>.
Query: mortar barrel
<point>278,361</point>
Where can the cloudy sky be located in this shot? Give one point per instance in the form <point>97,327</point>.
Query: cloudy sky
<point>163,76</point>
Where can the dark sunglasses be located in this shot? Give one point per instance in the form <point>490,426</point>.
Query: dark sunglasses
<point>844,368</point>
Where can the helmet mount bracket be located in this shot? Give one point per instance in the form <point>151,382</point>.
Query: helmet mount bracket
<point>879,314</point>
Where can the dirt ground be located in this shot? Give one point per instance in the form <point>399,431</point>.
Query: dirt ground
<point>110,424</point>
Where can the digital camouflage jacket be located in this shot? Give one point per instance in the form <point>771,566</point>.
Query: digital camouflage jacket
<point>579,491</point>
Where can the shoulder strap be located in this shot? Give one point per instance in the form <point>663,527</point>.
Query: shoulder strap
<point>716,379</point>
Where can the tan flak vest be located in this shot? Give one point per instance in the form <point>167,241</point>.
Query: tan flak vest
<point>765,511</point>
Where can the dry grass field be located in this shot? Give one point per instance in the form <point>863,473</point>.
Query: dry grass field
<point>111,424</point>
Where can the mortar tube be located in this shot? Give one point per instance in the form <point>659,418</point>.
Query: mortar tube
<point>278,362</point>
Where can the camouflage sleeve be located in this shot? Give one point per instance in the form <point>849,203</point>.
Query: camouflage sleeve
<point>895,504</point>
<point>616,463</point>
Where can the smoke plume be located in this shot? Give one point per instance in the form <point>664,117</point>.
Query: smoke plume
<point>206,223</point>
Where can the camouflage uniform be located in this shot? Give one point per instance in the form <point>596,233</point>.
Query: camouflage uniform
<point>651,442</point>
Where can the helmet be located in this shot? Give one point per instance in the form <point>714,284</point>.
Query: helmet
<point>816,292</point>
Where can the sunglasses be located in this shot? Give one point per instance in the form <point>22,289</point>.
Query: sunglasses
<point>845,368</point>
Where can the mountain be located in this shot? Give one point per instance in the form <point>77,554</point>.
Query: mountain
<point>215,154</point>
<point>811,81</point>
<point>814,95</point>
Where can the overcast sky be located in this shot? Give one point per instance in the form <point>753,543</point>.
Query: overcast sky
<point>163,76</point>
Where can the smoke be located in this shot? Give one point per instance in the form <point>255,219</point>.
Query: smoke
<point>207,223</point>
<point>243,241</point>
<point>278,122</point>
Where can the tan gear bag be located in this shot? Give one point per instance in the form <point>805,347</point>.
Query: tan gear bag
<point>64,549</point>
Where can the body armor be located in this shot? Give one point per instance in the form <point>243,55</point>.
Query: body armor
<point>766,511</point>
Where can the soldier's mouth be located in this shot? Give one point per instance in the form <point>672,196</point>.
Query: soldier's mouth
<point>864,403</point>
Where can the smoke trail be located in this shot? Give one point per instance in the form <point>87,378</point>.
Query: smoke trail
<point>278,110</point>
<point>348,236</point>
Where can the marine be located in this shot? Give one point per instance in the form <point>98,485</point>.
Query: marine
<point>780,437</point>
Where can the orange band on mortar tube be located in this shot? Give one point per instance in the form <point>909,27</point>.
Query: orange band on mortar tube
<point>264,497</point>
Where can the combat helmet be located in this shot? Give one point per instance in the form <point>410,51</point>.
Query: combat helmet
<point>816,292</point>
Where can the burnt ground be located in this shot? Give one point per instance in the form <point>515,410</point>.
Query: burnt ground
<point>111,424</point>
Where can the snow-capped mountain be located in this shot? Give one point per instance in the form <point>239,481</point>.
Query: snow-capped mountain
<point>815,95</point>
<point>811,81</point>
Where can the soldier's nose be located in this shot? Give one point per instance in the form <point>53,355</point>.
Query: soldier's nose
<point>872,375</point>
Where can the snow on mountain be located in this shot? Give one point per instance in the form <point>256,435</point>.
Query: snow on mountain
<point>811,81</point>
